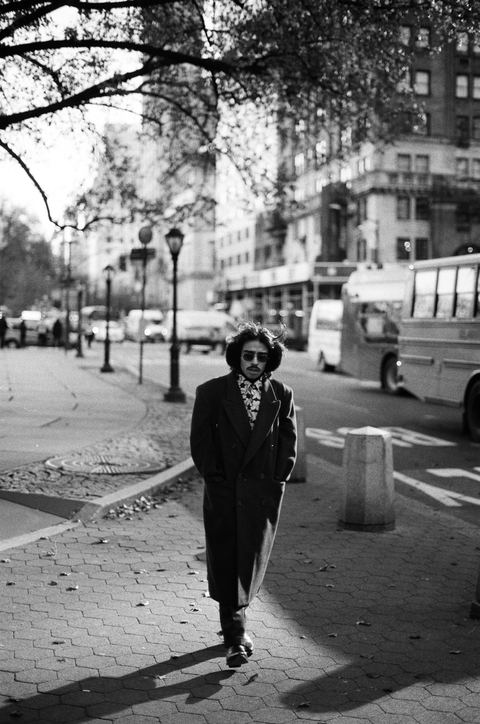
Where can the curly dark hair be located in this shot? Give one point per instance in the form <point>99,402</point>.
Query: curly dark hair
<point>249,331</point>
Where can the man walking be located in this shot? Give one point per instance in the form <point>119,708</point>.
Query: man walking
<point>243,442</point>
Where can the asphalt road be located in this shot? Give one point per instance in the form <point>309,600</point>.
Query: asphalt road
<point>433,459</point>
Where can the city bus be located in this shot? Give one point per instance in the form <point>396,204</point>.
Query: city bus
<point>372,303</point>
<point>439,341</point>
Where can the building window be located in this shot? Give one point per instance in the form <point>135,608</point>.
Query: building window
<point>421,248</point>
<point>476,168</point>
<point>476,87</point>
<point>403,207</point>
<point>422,83</point>
<point>462,167</point>
<point>422,163</point>
<point>423,38</point>
<point>462,217</point>
<point>404,162</point>
<point>461,86</point>
<point>421,127</point>
<point>422,208</point>
<point>476,44</point>
<point>299,163</point>
<point>405,34</point>
<point>404,248</point>
<point>406,82</point>
<point>463,130</point>
<point>462,43</point>
<point>476,128</point>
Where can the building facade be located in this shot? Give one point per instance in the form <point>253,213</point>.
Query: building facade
<point>415,199</point>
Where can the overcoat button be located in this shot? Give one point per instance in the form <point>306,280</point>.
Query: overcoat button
<point>234,446</point>
<point>262,475</point>
<point>263,502</point>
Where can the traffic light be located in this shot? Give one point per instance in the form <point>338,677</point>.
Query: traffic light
<point>122,262</point>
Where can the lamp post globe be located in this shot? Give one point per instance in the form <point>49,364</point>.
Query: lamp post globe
<point>174,239</point>
<point>145,235</point>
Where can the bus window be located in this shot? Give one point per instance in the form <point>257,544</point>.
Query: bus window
<point>424,293</point>
<point>445,292</point>
<point>465,292</point>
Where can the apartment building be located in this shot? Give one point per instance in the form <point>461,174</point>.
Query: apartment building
<point>415,199</point>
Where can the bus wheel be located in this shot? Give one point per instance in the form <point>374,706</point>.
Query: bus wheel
<point>390,376</point>
<point>472,411</point>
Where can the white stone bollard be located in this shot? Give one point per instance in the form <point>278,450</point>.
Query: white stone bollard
<point>299,472</point>
<point>367,475</point>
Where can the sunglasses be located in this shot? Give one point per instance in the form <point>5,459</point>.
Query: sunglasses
<point>249,356</point>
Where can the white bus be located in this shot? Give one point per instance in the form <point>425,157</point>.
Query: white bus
<point>324,332</point>
<point>439,342</point>
<point>372,303</point>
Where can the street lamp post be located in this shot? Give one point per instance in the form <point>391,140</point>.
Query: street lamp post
<point>107,367</point>
<point>145,237</point>
<point>80,321</point>
<point>174,239</point>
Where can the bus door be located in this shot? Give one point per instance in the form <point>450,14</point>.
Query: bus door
<point>461,333</point>
<point>420,363</point>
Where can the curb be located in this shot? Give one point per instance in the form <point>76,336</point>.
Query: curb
<point>94,509</point>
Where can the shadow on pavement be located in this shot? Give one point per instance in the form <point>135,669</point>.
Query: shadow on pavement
<point>101,696</point>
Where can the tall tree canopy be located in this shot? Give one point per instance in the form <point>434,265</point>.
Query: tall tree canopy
<point>197,58</point>
<point>28,270</point>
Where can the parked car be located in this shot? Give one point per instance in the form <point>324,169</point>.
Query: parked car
<point>13,335</point>
<point>116,331</point>
<point>153,327</point>
<point>205,330</point>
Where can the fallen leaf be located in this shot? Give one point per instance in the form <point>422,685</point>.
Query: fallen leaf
<point>144,603</point>
<point>362,622</point>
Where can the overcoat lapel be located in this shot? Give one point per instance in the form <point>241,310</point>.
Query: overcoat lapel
<point>235,409</point>
<point>267,413</point>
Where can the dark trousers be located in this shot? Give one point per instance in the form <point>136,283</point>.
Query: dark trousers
<point>233,621</point>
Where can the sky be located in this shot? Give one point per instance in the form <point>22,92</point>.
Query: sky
<point>63,169</point>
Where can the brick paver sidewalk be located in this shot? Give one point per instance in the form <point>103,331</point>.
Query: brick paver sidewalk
<point>109,622</point>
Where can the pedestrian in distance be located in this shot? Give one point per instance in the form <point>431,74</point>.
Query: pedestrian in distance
<point>3,330</point>
<point>57,332</point>
<point>23,333</point>
<point>243,441</point>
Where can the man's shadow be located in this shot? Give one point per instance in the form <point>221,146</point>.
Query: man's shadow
<point>101,696</point>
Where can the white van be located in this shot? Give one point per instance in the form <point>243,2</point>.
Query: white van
<point>324,333</point>
<point>153,327</point>
<point>203,329</point>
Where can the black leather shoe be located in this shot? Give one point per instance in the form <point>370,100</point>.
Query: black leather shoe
<point>236,656</point>
<point>247,643</point>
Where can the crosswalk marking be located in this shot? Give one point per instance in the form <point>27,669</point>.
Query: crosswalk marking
<point>401,437</point>
<point>449,498</point>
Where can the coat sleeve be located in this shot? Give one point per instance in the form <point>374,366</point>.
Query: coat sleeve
<point>287,437</point>
<point>204,438</point>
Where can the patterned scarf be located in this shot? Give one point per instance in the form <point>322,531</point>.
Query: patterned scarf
<point>251,394</point>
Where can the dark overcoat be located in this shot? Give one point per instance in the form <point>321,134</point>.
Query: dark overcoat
<point>245,472</point>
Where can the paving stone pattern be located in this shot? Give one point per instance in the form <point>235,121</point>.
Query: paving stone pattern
<point>110,622</point>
